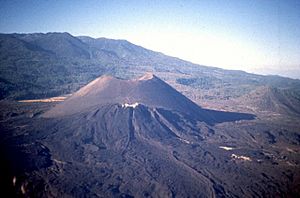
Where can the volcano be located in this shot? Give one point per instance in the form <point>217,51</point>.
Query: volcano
<point>128,135</point>
<point>115,113</point>
<point>140,137</point>
<point>124,138</point>
<point>148,90</point>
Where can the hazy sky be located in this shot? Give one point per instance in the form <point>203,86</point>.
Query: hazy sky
<point>252,35</point>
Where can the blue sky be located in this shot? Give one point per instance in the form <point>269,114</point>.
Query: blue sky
<point>260,36</point>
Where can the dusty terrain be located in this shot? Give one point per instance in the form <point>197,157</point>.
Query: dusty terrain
<point>189,131</point>
<point>115,147</point>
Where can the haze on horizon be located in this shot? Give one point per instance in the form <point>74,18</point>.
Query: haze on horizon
<point>255,36</point>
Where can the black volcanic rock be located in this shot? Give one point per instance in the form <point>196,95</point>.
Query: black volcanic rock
<point>128,125</point>
<point>137,138</point>
<point>141,138</point>
<point>123,129</point>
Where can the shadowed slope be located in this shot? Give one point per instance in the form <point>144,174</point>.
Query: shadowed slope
<point>133,143</point>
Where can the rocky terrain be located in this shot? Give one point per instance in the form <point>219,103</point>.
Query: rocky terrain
<point>187,131</point>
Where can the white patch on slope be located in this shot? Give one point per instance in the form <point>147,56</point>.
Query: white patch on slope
<point>58,161</point>
<point>185,141</point>
<point>226,148</point>
<point>147,76</point>
<point>14,180</point>
<point>134,105</point>
<point>23,189</point>
<point>241,157</point>
<point>290,150</point>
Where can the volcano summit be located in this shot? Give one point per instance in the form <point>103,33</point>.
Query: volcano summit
<point>148,90</point>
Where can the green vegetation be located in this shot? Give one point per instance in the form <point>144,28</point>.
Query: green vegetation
<point>45,65</point>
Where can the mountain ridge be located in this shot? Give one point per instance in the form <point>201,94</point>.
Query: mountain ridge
<point>38,67</point>
<point>136,135</point>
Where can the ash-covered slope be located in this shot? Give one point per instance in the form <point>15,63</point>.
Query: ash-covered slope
<point>120,132</point>
<point>123,138</point>
<point>148,90</point>
<point>140,138</point>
